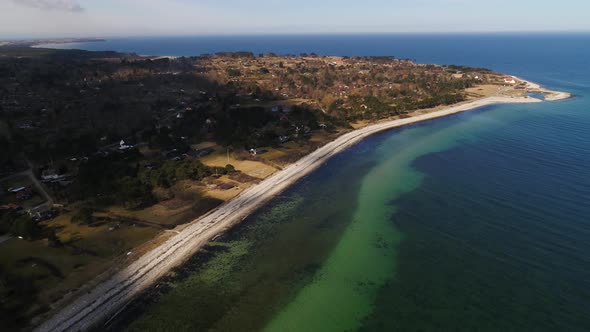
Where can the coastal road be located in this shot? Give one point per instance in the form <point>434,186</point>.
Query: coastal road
<point>108,297</point>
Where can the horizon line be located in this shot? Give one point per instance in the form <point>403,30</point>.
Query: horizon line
<point>263,34</point>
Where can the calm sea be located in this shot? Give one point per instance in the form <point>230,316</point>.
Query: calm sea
<point>475,222</point>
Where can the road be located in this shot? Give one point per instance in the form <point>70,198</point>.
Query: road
<point>111,295</point>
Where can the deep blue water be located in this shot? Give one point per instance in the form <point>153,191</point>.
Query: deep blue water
<point>495,236</point>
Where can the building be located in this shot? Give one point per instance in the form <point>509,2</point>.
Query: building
<point>24,195</point>
<point>10,207</point>
<point>49,175</point>
<point>124,146</point>
<point>42,214</point>
<point>17,190</point>
<point>52,176</point>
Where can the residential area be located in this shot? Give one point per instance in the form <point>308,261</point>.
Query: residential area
<point>105,154</point>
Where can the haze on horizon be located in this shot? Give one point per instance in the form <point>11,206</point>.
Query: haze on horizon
<point>111,18</point>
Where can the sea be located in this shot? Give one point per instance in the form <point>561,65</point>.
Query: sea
<point>479,221</point>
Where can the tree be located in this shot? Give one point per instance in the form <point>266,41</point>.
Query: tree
<point>24,226</point>
<point>133,193</point>
<point>230,168</point>
<point>84,216</point>
<point>53,240</point>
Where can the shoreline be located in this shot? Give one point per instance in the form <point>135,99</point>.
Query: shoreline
<point>52,43</point>
<point>550,95</point>
<point>111,295</point>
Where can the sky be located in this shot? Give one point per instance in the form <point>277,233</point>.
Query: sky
<point>112,18</point>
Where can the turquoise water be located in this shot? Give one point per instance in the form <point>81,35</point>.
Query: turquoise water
<point>475,222</point>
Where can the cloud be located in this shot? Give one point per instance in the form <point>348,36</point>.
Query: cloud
<point>61,5</point>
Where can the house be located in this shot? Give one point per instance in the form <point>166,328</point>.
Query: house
<point>151,166</point>
<point>42,214</point>
<point>283,139</point>
<point>50,175</point>
<point>10,207</point>
<point>170,154</point>
<point>123,146</point>
<point>509,80</point>
<point>17,190</point>
<point>280,108</point>
<point>24,195</point>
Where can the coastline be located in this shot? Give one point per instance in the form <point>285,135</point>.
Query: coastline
<point>550,95</point>
<point>114,293</point>
<point>51,43</point>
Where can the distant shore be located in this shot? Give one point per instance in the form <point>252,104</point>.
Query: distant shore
<point>106,298</point>
<point>47,42</point>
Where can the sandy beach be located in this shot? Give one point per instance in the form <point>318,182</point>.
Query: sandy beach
<point>113,294</point>
<point>549,94</point>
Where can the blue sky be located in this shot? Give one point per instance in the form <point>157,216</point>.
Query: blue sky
<point>107,18</point>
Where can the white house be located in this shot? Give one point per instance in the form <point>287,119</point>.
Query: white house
<point>509,80</point>
<point>123,146</point>
<point>49,175</point>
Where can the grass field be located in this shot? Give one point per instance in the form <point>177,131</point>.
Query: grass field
<point>220,158</point>
<point>52,272</point>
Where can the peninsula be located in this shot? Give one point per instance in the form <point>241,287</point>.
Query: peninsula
<point>131,164</point>
<point>39,42</point>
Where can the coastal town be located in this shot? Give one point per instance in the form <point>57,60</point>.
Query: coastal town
<point>108,156</point>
